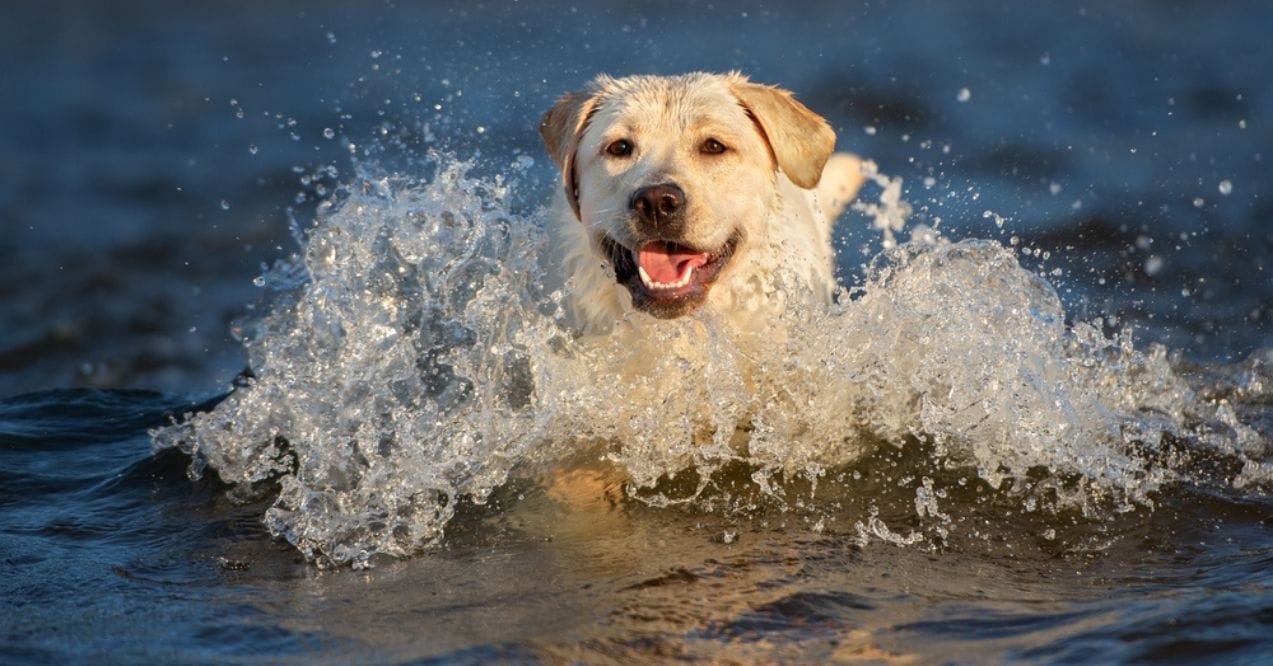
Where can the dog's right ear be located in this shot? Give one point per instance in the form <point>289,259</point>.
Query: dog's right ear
<point>562,128</point>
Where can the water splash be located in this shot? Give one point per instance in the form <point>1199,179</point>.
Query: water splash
<point>416,354</point>
<point>889,213</point>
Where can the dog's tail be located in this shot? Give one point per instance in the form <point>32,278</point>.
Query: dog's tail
<point>841,179</point>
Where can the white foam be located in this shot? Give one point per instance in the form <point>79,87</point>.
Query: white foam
<point>411,356</point>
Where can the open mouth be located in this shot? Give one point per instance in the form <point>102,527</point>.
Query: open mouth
<point>667,279</point>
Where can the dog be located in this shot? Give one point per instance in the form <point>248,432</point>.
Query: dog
<point>703,197</point>
<point>691,192</point>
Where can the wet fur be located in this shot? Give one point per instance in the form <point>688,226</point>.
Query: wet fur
<point>778,187</point>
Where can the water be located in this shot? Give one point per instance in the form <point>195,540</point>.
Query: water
<point>1051,444</point>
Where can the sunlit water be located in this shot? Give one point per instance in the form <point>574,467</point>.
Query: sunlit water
<point>976,453</point>
<point>412,356</point>
<point>935,464</point>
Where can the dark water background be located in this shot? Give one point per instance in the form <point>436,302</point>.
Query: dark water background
<point>150,156</point>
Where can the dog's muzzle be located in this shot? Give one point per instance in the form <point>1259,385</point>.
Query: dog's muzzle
<point>667,279</point>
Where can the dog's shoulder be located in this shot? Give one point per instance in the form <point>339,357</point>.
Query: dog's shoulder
<point>801,226</point>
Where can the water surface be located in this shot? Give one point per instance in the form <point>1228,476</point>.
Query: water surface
<point>1107,499</point>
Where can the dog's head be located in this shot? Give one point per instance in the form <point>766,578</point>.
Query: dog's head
<point>674,177</point>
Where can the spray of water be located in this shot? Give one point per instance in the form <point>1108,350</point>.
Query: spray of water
<point>415,355</point>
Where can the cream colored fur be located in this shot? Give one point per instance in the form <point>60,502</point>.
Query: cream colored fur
<point>778,186</point>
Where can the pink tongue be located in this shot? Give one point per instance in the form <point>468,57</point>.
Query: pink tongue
<point>667,262</point>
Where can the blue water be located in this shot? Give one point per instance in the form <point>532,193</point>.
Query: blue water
<point>153,155</point>
<point>113,555</point>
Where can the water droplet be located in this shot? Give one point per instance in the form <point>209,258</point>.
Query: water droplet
<point>964,95</point>
<point>869,129</point>
<point>1226,187</point>
<point>1198,202</point>
<point>225,205</point>
<point>329,133</point>
<point>253,149</point>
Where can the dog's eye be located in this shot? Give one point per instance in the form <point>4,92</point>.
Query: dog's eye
<point>620,148</point>
<point>712,147</point>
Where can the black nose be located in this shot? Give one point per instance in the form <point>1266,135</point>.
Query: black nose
<point>659,206</point>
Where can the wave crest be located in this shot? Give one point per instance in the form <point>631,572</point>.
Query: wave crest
<point>413,354</point>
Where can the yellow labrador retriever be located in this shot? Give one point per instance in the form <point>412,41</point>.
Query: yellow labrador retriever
<point>681,193</point>
<point>693,191</point>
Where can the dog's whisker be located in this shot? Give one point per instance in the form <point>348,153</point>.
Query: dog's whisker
<point>599,216</point>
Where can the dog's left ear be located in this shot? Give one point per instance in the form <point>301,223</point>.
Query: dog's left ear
<point>561,129</point>
<point>800,139</point>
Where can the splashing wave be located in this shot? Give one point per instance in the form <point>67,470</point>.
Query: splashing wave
<point>415,354</point>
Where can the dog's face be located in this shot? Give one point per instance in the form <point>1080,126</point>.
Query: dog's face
<point>674,177</point>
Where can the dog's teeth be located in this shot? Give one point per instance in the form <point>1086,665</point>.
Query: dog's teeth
<point>645,277</point>
<point>685,280</point>
<point>652,284</point>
